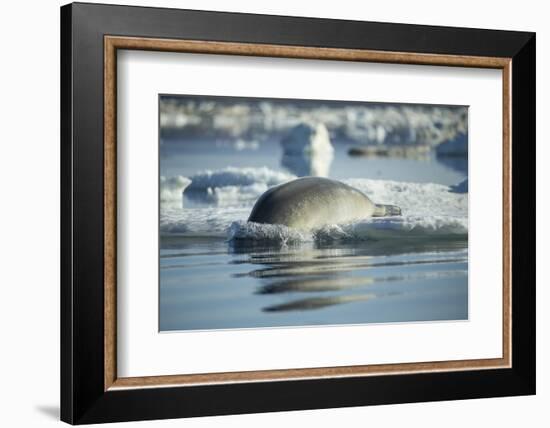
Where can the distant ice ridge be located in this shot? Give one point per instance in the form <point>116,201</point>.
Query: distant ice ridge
<point>429,210</point>
<point>362,123</point>
<point>231,176</point>
<point>171,188</point>
<point>234,184</point>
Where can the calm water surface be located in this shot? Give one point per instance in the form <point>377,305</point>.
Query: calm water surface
<point>210,283</point>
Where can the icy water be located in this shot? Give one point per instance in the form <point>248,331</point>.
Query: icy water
<point>219,272</point>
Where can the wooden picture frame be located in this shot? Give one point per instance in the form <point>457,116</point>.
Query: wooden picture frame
<point>91,391</point>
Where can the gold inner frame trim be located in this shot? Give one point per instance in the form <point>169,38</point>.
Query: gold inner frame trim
<point>113,43</point>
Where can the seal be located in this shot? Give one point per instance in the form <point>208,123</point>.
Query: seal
<point>312,202</point>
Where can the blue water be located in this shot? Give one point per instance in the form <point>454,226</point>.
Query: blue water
<point>210,283</point>
<point>188,157</point>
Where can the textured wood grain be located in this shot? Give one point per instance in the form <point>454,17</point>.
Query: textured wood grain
<point>307,373</point>
<point>112,43</point>
<point>110,222</point>
<point>227,48</point>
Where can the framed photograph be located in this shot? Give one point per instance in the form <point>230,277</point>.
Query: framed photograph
<point>267,213</point>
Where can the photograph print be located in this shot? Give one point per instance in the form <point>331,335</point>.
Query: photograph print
<point>300,213</point>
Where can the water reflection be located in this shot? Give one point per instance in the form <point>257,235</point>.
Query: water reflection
<point>308,164</point>
<point>313,285</point>
<point>237,286</point>
<point>409,151</point>
<point>260,249</point>
<point>339,282</point>
<point>301,268</point>
<point>330,275</point>
<point>317,303</point>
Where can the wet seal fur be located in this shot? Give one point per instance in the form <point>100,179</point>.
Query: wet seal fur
<point>311,202</point>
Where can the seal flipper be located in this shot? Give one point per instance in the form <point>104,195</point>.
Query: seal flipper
<point>382,210</point>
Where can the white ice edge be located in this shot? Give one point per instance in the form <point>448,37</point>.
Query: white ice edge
<point>429,210</point>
